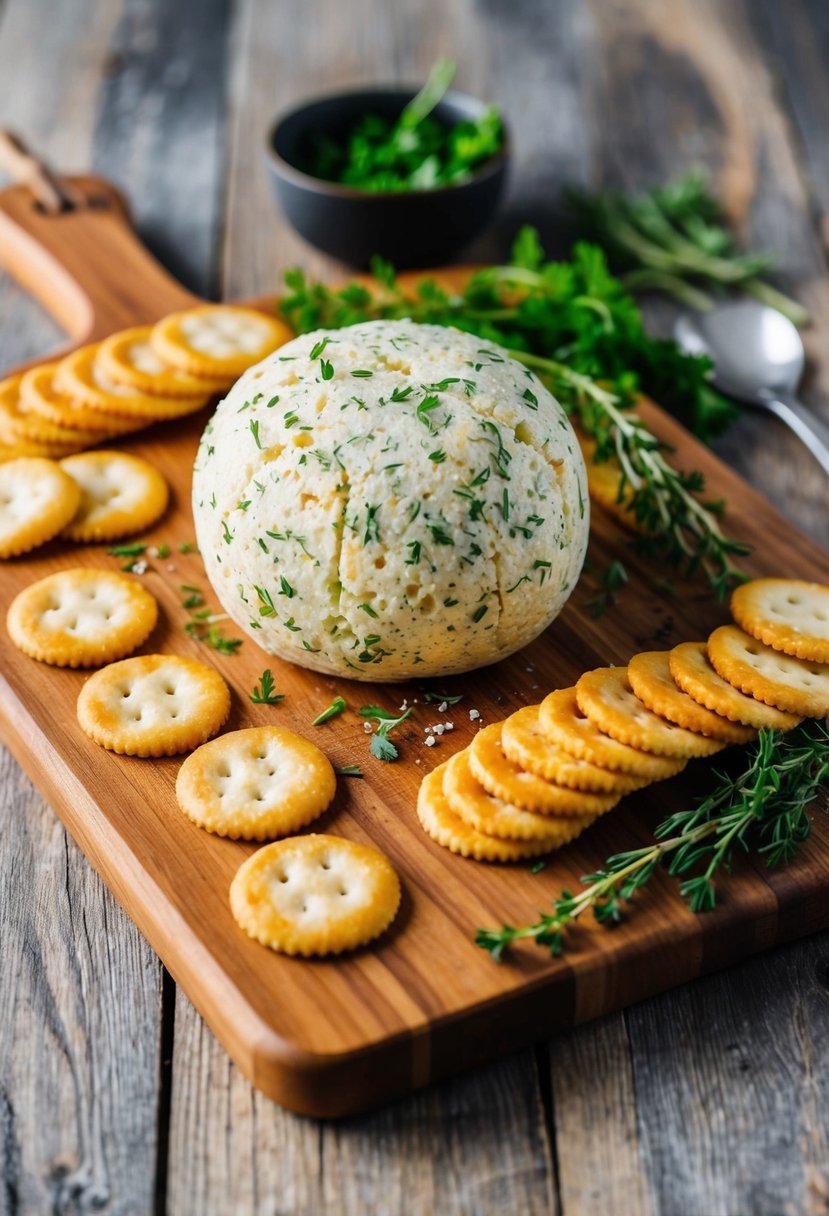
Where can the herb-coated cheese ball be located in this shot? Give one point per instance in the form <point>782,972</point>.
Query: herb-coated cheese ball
<point>391,500</point>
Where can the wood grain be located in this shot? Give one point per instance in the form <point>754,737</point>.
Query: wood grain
<point>77,1057</point>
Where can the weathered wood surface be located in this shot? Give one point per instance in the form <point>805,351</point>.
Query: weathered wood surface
<point>712,1099</point>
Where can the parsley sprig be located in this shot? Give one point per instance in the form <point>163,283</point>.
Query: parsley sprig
<point>381,746</point>
<point>412,152</point>
<point>265,691</point>
<point>763,808</point>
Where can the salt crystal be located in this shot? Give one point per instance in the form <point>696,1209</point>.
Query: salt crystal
<point>474,715</point>
<point>139,567</point>
<point>430,742</point>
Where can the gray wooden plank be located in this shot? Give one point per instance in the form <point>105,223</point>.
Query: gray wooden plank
<point>470,1146</point>
<point>80,998</point>
<point>160,129</point>
<point>78,1026</point>
<point>687,83</point>
<point>731,1084</point>
<point>595,1118</point>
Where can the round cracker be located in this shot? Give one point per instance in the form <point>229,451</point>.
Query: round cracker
<point>41,396</point>
<point>495,817</point>
<point>153,705</point>
<point>217,340</point>
<point>128,358</point>
<point>37,500</point>
<point>507,781</point>
<point>793,685</point>
<point>447,829</point>
<point>81,618</point>
<point>79,376</point>
<point>787,614</point>
<point>651,680</point>
<point>528,746</point>
<point>313,895</point>
<point>606,697</point>
<point>255,784</point>
<point>691,669</point>
<point>565,724</point>
<point>121,494</point>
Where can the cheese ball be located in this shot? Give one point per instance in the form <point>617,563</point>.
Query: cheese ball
<point>391,500</point>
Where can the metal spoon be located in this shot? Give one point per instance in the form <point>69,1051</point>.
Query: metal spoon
<point>758,358</point>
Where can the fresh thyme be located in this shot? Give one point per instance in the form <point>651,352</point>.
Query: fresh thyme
<point>577,327</point>
<point>381,746</point>
<point>763,808</point>
<point>611,580</point>
<point>673,240</point>
<point>264,693</point>
<point>337,707</point>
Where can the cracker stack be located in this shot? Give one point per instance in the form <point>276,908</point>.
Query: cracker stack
<point>530,784</point>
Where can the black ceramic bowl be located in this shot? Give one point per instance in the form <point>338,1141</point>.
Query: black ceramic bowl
<point>409,228</point>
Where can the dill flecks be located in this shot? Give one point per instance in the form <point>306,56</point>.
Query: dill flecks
<point>203,624</point>
<point>763,809</point>
<point>264,693</point>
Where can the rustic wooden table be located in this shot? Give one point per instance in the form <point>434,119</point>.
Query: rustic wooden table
<point>113,1095</point>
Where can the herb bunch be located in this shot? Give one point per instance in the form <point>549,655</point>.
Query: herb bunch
<point>412,152</point>
<point>673,239</point>
<point>578,328</point>
<point>763,808</point>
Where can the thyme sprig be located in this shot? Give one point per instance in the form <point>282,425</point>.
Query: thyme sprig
<point>763,808</point>
<point>678,527</point>
<point>673,240</point>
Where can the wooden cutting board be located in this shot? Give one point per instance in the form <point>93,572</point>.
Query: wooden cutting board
<point>332,1037</point>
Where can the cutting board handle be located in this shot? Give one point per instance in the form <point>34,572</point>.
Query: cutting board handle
<point>69,242</point>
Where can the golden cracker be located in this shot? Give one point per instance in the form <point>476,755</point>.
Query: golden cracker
<point>793,685</point>
<point>37,500</point>
<point>255,784</point>
<point>121,494</point>
<point>527,745</point>
<point>508,782</point>
<point>217,340</point>
<point>128,358</point>
<point>40,396</point>
<point>787,614</point>
<point>81,618</point>
<point>315,895</point>
<point>691,669</point>
<point>564,723</point>
<point>606,697</point>
<point>447,829</point>
<point>494,817</point>
<point>79,377</point>
<point>153,705</point>
<point>651,680</point>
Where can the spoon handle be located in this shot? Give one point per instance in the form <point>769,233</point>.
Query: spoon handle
<point>810,430</point>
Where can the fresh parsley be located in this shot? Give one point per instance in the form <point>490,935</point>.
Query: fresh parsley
<point>337,707</point>
<point>263,693</point>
